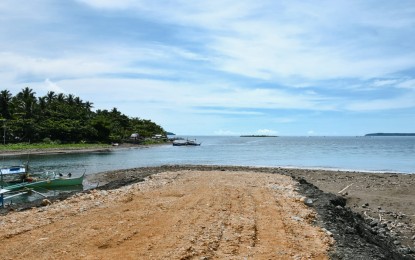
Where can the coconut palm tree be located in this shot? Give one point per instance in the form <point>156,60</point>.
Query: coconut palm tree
<point>50,97</point>
<point>26,100</point>
<point>5,99</point>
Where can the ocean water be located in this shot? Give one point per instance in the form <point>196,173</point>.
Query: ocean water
<point>383,154</point>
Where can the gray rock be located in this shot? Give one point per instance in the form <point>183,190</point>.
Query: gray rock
<point>382,231</point>
<point>365,205</point>
<point>374,223</point>
<point>406,251</point>
<point>308,202</point>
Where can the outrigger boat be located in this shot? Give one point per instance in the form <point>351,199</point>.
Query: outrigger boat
<point>186,142</point>
<point>13,170</point>
<point>52,181</point>
<point>13,173</point>
<point>46,181</point>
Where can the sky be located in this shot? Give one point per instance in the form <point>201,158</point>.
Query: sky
<point>221,67</point>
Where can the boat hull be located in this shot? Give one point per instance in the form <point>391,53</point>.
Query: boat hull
<point>185,143</point>
<point>48,183</point>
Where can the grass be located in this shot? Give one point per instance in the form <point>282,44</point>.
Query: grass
<point>153,141</point>
<point>27,146</point>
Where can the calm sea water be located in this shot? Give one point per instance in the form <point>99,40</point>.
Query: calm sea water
<point>389,154</point>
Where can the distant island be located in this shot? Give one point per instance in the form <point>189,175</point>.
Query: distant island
<point>259,136</point>
<point>391,134</point>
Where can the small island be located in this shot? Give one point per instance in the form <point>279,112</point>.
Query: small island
<point>391,134</point>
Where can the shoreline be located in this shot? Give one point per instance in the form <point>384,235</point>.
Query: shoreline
<point>51,151</point>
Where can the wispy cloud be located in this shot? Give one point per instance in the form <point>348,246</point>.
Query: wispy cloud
<point>400,102</point>
<point>219,62</point>
<point>266,132</point>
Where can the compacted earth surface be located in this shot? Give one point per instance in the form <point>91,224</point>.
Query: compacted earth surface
<point>215,212</point>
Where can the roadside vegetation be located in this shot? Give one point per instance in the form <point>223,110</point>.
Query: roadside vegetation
<point>34,146</point>
<point>57,120</point>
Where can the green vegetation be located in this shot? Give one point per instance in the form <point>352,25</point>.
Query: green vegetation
<point>57,118</point>
<point>25,146</point>
<point>391,134</point>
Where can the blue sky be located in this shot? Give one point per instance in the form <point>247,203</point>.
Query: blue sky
<point>221,67</point>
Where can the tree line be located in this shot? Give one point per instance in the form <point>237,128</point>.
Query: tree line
<point>61,118</point>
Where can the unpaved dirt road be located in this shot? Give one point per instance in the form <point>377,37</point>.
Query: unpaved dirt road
<point>172,215</point>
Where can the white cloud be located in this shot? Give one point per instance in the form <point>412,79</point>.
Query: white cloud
<point>216,60</point>
<point>110,4</point>
<point>400,102</point>
<point>229,112</point>
<point>51,86</point>
<point>266,132</point>
<point>57,67</point>
<point>384,82</point>
<point>103,60</point>
<point>191,95</point>
<point>409,84</point>
<point>283,120</point>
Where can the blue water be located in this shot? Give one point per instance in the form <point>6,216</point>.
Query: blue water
<point>385,154</point>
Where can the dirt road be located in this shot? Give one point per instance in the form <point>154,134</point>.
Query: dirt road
<point>172,215</point>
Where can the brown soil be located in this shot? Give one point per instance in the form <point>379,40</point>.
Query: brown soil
<point>172,215</point>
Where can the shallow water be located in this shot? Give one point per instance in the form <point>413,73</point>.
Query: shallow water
<point>386,154</point>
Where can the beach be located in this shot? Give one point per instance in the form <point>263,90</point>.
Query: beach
<point>218,212</point>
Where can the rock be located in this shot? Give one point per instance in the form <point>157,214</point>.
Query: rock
<point>46,202</point>
<point>374,223</point>
<point>406,250</point>
<point>349,230</point>
<point>296,218</point>
<point>383,225</point>
<point>308,202</point>
<point>382,231</point>
<point>330,234</point>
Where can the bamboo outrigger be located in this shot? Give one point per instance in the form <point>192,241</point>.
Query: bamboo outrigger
<point>49,182</point>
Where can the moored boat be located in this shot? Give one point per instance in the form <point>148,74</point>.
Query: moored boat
<point>186,142</point>
<point>48,182</point>
<point>13,173</point>
<point>26,183</point>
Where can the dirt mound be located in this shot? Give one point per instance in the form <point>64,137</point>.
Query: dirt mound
<point>173,215</point>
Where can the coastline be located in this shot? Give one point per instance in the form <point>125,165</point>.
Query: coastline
<point>46,151</point>
<point>373,211</point>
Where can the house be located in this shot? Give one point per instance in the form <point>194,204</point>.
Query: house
<point>134,136</point>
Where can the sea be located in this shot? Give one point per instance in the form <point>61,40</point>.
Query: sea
<point>357,153</point>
